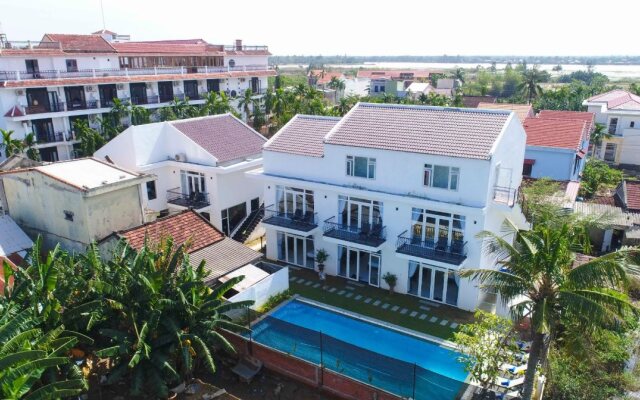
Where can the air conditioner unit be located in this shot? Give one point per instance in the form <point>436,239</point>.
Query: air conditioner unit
<point>120,86</point>
<point>182,157</point>
<point>19,92</point>
<point>91,88</point>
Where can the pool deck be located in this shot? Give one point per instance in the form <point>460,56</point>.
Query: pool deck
<point>418,316</point>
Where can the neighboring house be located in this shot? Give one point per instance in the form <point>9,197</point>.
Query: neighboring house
<point>523,111</point>
<point>416,89</point>
<point>46,85</point>
<point>320,79</point>
<point>16,161</point>
<point>14,243</point>
<point>74,202</point>
<point>622,227</point>
<point>556,148</point>
<point>474,101</point>
<point>619,112</point>
<point>392,82</point>
<point>202,241</point>
<point>397,189</point>
<point>627,196</point>
<point>199,163</point>
<point>446,86</point>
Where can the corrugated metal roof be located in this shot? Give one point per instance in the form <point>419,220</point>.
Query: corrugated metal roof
<point>12,238</point>
<point>610,214</point>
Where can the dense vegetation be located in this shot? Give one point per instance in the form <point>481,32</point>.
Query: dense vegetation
<point>148,313</point>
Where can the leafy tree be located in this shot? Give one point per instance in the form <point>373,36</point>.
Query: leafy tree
<point>216,103</point>
<point>338,85</point>
<point>485,345</point>
<point>599,133</point>
<point>539,270</point>
<point>182,109</point>
<point>557,68</point>
<point>166,114</point>
<point>530,86</point>
<point>29,144</point>
<point>90,139</point>
<point>10,145</point>
<point>139,115</point>
<point>635,88</point>
<point>246,102</point>
<point>596,175</point>
<point>540,204</point>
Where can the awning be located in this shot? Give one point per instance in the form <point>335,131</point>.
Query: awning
<point>529,161</point>
<point>581,154</point>
<point>252,275</point>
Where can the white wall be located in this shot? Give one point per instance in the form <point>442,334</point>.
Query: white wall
<point>260,292</point>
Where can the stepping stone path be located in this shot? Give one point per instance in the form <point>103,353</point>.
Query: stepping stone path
<point>349,288</point>
<point>444,322</point>
<point>292,278</point>
<point>340,293</point>
<point>454,325</point>
<point>425,308</point>
<point>349,294</point>
<point>377,303</point>
<point>386,305</point>
<point>433,319</point>
<point>367,300</point>
<point>395,308</point>
<point>358,297</point>
<point>423,316</point>
<point>300,280</point>
<point>413,313</point>
<point>332,290</point>
<point>308,283</point>
<point>317,285</point>
<point>404,311</point>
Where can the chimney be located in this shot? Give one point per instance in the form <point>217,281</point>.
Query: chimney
<point>239,44</point>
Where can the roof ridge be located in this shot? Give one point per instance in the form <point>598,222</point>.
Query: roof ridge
<point>433,108</point>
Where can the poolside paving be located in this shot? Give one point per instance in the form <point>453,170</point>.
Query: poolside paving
<point>367,300</point>
<point>423,316</point>
<point>395,308</point>
<point>454,325</point>
<point>358,297</point>
<point>377,303</point>
<point>433,319</point>
<point>444,322</point>
<point>404,311</point>
<point>349,294</point>
<point>413,313</point>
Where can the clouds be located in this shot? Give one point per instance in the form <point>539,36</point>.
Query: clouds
<point>545,27</point>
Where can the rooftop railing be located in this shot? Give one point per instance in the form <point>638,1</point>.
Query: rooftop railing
<point>29,45</point>
<point>245,48</point>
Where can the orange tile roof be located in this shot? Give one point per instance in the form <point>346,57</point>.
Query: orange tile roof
<point>393,73</point>
<point>565,134</point>
<point>632,195</point>
<point>587,117</point>
<point>523,111</point>
<point>324,77</point>
<point>187,226</point>
<point>80,43</point>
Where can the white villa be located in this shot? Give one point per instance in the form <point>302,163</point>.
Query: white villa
<point>619,112</point>
<point>46,85</point>
<point>200,163</point>
<point>394,189</point>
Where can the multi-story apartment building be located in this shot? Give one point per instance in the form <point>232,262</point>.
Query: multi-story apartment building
<point>46,85</point>
<point>394,189</point>
<point>619,112</point>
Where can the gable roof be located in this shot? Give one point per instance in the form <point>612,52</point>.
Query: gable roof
<point>617,100</point>
<point>628,193</point>
<point>182,227</point>
<point>223,136</point>
<point>324,77</point>
<point>73,43</point>
<point>223,257</point>
<point>303,135</point>
<point>565,134</point>
<point>393,73</point>
<point>12,238</point>
<point>474,101</point>
<point>454,132</point>
<point>587,117</point>
<point>523,111</point>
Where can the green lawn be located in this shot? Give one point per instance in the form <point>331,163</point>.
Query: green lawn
<point>411,303</point>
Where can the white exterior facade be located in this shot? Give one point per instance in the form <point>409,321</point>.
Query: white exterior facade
<point>397,197</point>
<point>43,88</point>
<point>174,159</point>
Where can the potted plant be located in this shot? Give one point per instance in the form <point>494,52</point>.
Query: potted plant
<point>391,280</point>
<point>321,257</point>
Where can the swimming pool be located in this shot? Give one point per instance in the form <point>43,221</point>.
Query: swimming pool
<point>391,360</point>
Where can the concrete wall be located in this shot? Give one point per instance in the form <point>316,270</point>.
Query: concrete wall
<point>260,292</point>
<point>557,164</point>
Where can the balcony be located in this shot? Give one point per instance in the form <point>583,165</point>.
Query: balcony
<point>195,200</point>
<point>299,221</point>
<point>454,253</point>
<point>367,235</point>
<point>505,195</point>
<point>107,72</point>
<point>43,108</point>
<point>50,137</point>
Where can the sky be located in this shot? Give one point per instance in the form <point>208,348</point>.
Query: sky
<point>353,27</point>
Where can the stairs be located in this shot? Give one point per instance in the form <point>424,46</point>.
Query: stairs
<point>248,225</point>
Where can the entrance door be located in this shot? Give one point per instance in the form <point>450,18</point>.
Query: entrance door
<point>439,285</point>
<point>195,184</point>
<point>359,215</point>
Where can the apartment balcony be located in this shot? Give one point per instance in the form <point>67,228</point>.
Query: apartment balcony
<point>367,235</point>
<point>505,195</point>
<point>83,105</point>
<point>454,253</point>
<point>297,221</point>
<point>52,137</point>
<point>44,108</point>
<point>195,200</point>
<point>128,72</point>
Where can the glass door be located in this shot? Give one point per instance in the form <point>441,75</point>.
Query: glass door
<point>374,270</point>
<point>195,184</point>
<point>439,285</point>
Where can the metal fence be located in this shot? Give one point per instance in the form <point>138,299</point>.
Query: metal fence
<point>392,375</point>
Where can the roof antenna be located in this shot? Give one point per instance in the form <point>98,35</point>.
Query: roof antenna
<point>104,25</point>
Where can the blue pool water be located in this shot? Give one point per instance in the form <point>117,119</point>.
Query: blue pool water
<point>385,358</point>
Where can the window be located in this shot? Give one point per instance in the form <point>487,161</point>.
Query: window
<point>232,217</point>
<point>362,167</point>
<point>439,228</point>
<point>613,126</point>
<point>576,165</point>
<point>632,124</point>
<point>442,177</point>
<point>293,201</point>
<point>232,63</point>
<point>359,265</point>
<point>151,190</point>
<point>382,89</point>
<point>296,250</point>
<point>375,88</point>
<point>610,152</point>
<point>526,169</point>
<point>72,65</point>
<point>68,215</point>
<point>356,212</point>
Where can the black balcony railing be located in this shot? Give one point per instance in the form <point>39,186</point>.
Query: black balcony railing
<point>49,137</point>
<point>42,108</point>
<point>194,200</point>
<point>372,235</point>
<point>454,253</point>
<point>297,220</point>
<point>154,99</point>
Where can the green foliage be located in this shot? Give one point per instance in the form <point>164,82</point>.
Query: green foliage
<point>90,139</point>
<point>321,256</point>
<point>390,279</point>
<point>540,200</point>
<point>598,175</point>
<point>29,145</point>
<point>182,109</point>
<point>485,345</point>
<point>275,300</point>
<point>10,145</point>
<point>530,85</point>
<point>588,77</point>
<point>568,97</point>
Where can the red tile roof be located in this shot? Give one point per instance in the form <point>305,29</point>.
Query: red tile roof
<point>303,135</point>
<point>566,134</point>
<point>453,132</point>
<point>324,77</point>
<point>523,111</point>
<point>632,195</point>
<point>14,112</point>
<point>80,43</point>
<point>224,136</point>
<point>187,226</point>
<point>587,117</point>
<point>617,99</point>
<point>393,73</point>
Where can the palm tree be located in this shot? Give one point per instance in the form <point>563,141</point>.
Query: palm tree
<point>29,145</point>
<point>599,133</point>
<point>539,278</point>
<point>530,86</point>
<point>10,145</point>
<point>90,139</point>
<point>459,74</point>
<point>139,115</point>
<point>216,103</point>
<point>338,85</point>
<point>246,102</point>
